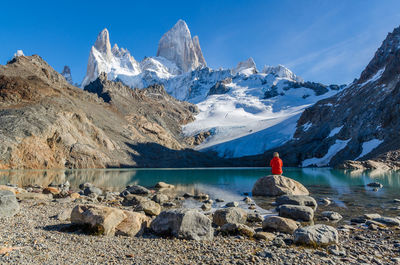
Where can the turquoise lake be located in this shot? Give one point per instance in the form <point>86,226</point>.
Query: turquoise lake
<point>348,189</point>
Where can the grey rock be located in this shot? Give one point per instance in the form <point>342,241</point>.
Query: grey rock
<point>229,215</point>
<point>163,185</point>
<point>247,200</point>
<point>296,212</point>
<point>232,204</point>
<point>388,221</point>
<point>137,189</point>
<point>254,218</point>
<point>65,215</point>
<point>302,200</point>
<point>331,215</point>
<point>276,185</point>
<point>278,242</point>
<point>219,200</point>
<point>183,224</point>
<point>92,190</point>
<point>316,235</point>
<point>9,205</point>
<point>375,185</point>
<point>206,207</point>
<point>371,216</point>
<point>85,185</point>
<point>160,198</point>
<point>149,207</point>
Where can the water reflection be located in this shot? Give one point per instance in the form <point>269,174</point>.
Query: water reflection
<point>323,181</point>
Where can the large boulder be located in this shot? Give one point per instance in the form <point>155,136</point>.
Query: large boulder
<point>279,224</point>
<point>109,221</point>
<point>102,220</point>
<point>8,204</point>
<point>276,185</point>
<point>233,215</point>
<point>296,212</point>
<point>316,235</point>
<point>302,200</point>
<point>183,224</point>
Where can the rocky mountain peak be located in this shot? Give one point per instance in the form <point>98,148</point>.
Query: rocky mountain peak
<point>66,72</point>
<point>282,72</point>
<point>178,46</point>
<point>246,67</point>
<point>386,58</point>
<point>102,43</point>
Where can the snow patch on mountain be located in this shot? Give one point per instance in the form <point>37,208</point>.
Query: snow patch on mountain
<point>332,151</point>
<point>368,146</point>
<point>335,131</point>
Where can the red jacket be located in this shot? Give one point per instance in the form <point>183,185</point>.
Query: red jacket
<point>276,165</point>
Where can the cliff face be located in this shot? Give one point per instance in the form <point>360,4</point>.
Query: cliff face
<point>47,123</point>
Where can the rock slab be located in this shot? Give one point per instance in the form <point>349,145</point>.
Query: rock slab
<point>296,212</point>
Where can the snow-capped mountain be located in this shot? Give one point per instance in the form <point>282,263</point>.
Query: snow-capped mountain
<point>66,73</point>
<point>243,111</point>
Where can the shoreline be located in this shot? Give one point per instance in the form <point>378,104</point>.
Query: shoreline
<point>42,233</point>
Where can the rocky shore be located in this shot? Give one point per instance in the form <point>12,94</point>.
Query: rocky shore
<point>87,225</point>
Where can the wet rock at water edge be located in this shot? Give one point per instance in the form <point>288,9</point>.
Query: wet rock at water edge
<point>135,189</point>
<point>279,224</point>
<point>254,218</point>
<point>9,205</point>
<point>375,185</point>
<point>388,221</point>
<point>219,200</point>
<point>276,185</point>
<point>232,204</point>
<point>325,201</point>
<point>206,207</point>
<point>331,215</point>
<point>247,200</point>
<point>316,235</point>
<point>296,212</point>
<point>183,224</point>
<point>302,200</point>
<point>163,185</point>
<point>230,215</point>
<point>92,190</point>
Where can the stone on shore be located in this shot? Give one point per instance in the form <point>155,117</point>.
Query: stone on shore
<point>237,229</point>
<point>331,215</point>
<point>183,224</point>
<point>163,185</point>
<point>276,185</point>
<point>135,189</point>
<point>160,198</point>
<point>388,221</point>
<point>102,220</point>
<point>232,204</point>
<point>9,205</point>
<point>229,215</point>
<point>149,207</point>
<point>64,215</point>
<point>296,212</point>
<point>92,190</point>
<point>302,200</point>
<point>265,236</point>
<point>279,224</point>
<point>133,225</point>
<point>316,236</point>
<point>34,196</point>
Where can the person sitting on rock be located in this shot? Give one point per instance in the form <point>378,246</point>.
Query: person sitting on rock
<point>276,165</point>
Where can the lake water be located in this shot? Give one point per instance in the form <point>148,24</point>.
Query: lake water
<point>347,189</point>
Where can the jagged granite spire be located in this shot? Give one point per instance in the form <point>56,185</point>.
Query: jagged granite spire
<point>178,46</point>
<point>66,73</point>
<point>103,45</point>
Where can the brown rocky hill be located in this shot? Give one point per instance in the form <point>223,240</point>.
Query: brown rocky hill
<point>47,123</point>
<point>360,123</point>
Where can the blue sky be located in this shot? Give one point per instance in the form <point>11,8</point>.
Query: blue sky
<point>320,40</point>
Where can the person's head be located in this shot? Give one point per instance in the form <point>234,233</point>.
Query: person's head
<point>276,154</point>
